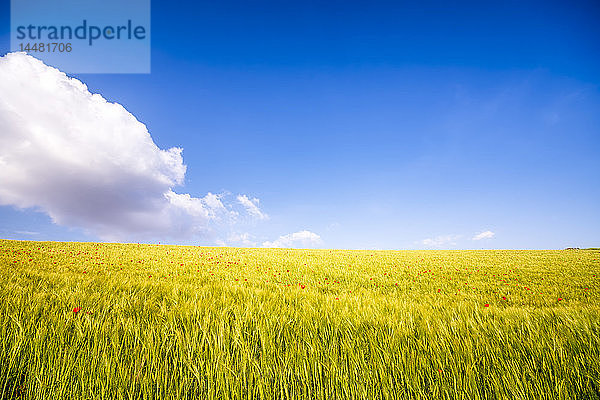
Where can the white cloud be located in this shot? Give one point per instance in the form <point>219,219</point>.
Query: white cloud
<point>484,235</point>
<point>302,239</point>
<point>241,239</point>
<point>251,206</point>
<point>90,163</point>
<point>440,241</point>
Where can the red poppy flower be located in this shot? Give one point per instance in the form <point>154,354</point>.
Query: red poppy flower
<point>486,305</point>
<point>560,298</point>
<point>76,309</point>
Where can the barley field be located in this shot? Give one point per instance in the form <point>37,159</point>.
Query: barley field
<point>129,321</point>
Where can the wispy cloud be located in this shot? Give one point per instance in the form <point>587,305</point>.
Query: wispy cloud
<point>252,206</point>
<point>441,241</point>
<point>302,239</point>
<point>241,239</point>
<point>484,235</point>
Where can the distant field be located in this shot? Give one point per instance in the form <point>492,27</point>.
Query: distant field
<point>86,320</point>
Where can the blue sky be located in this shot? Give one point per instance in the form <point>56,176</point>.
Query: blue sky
<point>374,124</point>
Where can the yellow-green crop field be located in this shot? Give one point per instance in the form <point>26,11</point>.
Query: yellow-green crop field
<point>106,321</point>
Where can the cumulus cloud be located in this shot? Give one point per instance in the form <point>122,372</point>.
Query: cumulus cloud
<point>484,235</point>
<point>90,163</point>
<point>440,241</point>
<point>302,239</point>
<point>252,206</point>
